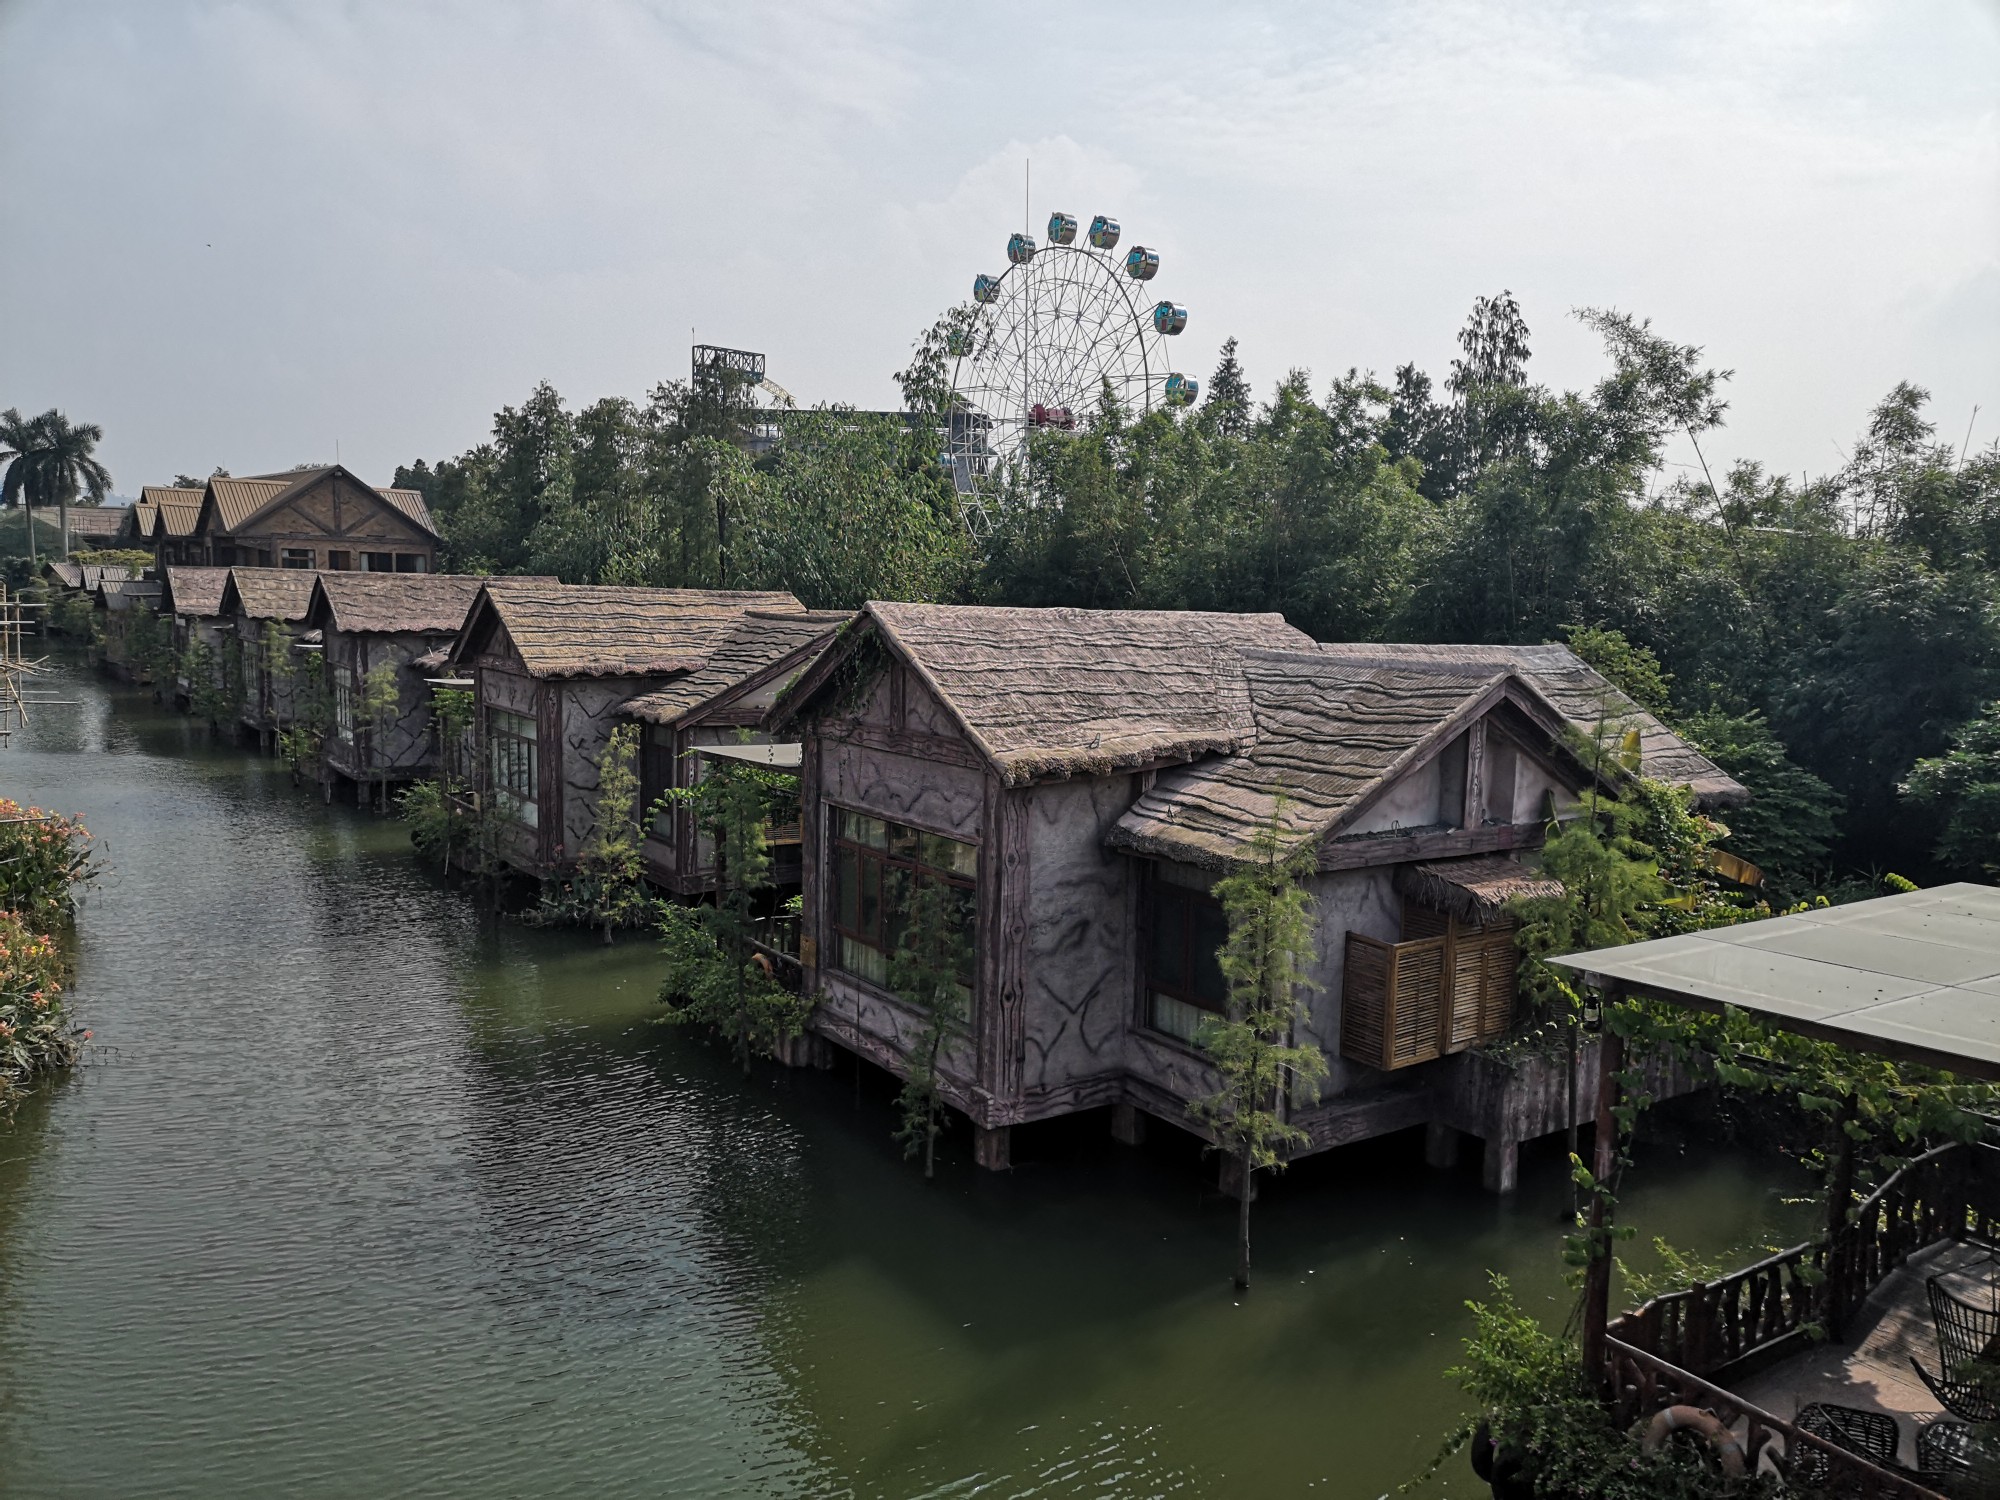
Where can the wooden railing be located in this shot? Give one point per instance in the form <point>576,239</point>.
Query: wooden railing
<point>1762,1310</point>
<point>1643,1383</point>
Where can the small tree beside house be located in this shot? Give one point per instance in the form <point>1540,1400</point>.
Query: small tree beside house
<point>375,711</point>
<point>1269,912</point>
<point>608,888</point>
<point>714,974</point>
<point>927,971</point>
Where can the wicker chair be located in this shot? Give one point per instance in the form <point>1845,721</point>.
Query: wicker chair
<point>1869,1434</point>
<point>1944,1451</point>
<point>1966,1334</point>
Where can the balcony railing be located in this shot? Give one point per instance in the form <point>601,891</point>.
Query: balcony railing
<point>1952,1192</point>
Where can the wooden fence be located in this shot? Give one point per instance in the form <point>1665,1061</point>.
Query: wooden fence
<point>1763,1310</point>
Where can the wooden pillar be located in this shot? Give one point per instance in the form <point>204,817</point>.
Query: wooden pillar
<point>1839,1197</point>
<point>1230,1177</point>
<point>1500,1166</point>
<point>993,1148</point>
<point>1603,1162</point>
<point>1128,1126</point>
<point>1440,1145</point>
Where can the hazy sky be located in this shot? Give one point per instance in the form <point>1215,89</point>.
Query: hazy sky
<point>243,233</point>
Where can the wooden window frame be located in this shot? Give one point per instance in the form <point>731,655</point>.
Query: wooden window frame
<point>298,559</point>
<point>519,754</point>
<point>870,863</point>
<point>1185,991</point>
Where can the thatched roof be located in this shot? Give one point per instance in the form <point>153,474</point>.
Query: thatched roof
<point>1585,697</point>
<point>1474,890</point>
<point>194,591</point>
<point>1072,692</point>
<point>268,593</point>
<point>395,603</point>
<point>1327,737</point>
<point>758,642</point>
<point>606,630</point>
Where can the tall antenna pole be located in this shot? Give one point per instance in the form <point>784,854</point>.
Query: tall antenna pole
<point>1027,184</point>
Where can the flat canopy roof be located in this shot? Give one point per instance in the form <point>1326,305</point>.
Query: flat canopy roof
<point>777,757</point>
<point>1914,976</point>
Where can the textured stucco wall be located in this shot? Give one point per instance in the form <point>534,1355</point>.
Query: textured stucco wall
<point>1411,803</point>
<point>1082,943</point>
<point>589,707</point>
<point>1344,901</point>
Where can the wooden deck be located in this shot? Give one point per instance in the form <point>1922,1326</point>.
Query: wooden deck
<point>1870,1369</point>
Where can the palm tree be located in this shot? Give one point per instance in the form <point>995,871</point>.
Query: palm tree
<point>18,441</point>
<point>65,465</point>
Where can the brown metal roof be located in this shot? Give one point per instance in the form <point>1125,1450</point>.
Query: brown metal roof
<point>237,500</point>
<point>155,494</point>
<point>176,518</point>
<point>86,520</point>
<point>1587,699</point>
<point>604,630</point>
<point>268,593</point>
<point>68,574</point>
<point>757,642</point>
<point>1081,692</point>
<point>144,515</point>
<point>194,591</point>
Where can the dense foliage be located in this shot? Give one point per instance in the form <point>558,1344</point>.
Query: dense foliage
<point>1818,636</point>
<point>44,859</point>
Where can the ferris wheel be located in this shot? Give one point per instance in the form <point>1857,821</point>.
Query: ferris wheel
<point>1040,343</point>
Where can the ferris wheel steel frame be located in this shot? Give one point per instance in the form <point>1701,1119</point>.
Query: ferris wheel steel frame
<point>1043,338</point>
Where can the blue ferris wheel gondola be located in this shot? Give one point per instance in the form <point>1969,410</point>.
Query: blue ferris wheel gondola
<point>1103,233</point>
<point>1169,318</point>
<point>1181,390</point>
<point>985,288</point>
<point>1142,264</point>
<point>1020,248</point>
<point>1062,229</point>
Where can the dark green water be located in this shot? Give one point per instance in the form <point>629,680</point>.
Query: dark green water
<point>360,1195</point>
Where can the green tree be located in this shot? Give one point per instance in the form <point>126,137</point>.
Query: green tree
<point>376,710</point>
<point>608,889</point>
<point>1228,402</point>
<point>1963,786</point>
<point>51,461</point>
<point>927,971</point>
<point>1789,824</point>
<point>713,975</point>
<point>302,736</point>
<point>1262,1068</point>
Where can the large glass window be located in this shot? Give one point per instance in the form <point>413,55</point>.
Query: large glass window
<point>343,704</point>
<point>1185,932</point>
<point>882,873</point>
<point>514,762</point>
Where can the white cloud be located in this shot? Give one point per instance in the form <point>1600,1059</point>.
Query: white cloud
<point>254,229</point>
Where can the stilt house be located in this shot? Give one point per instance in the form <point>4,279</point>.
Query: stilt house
<point>553,666</point>
<point>725,703</point>
<point>266,610</point>
<point>128,606</point>
<point>1079,779</point>
<point>371,621</point>
<point>191,605</point>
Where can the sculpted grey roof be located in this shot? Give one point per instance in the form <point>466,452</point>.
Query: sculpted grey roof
<point>1327,736</point>
<point>759,640</point>
<point>603,630</point>
<point>1074,692</point>
<point>1585,697</point>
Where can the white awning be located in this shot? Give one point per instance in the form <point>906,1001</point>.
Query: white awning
<point>777,757</point>
<point>1914,976</point>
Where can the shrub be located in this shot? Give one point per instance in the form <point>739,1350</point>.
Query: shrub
<point>44,857</point>
<point>36,1035</point>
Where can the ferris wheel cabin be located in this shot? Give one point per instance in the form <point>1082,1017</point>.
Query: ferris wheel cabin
<point>1062,229</point>
<point>1103,233</point>
<point>1181,390</point>
<point>985,288</point>
<point>1142,264</point>
<point>1020,248</point>
<point>1169,318</point>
